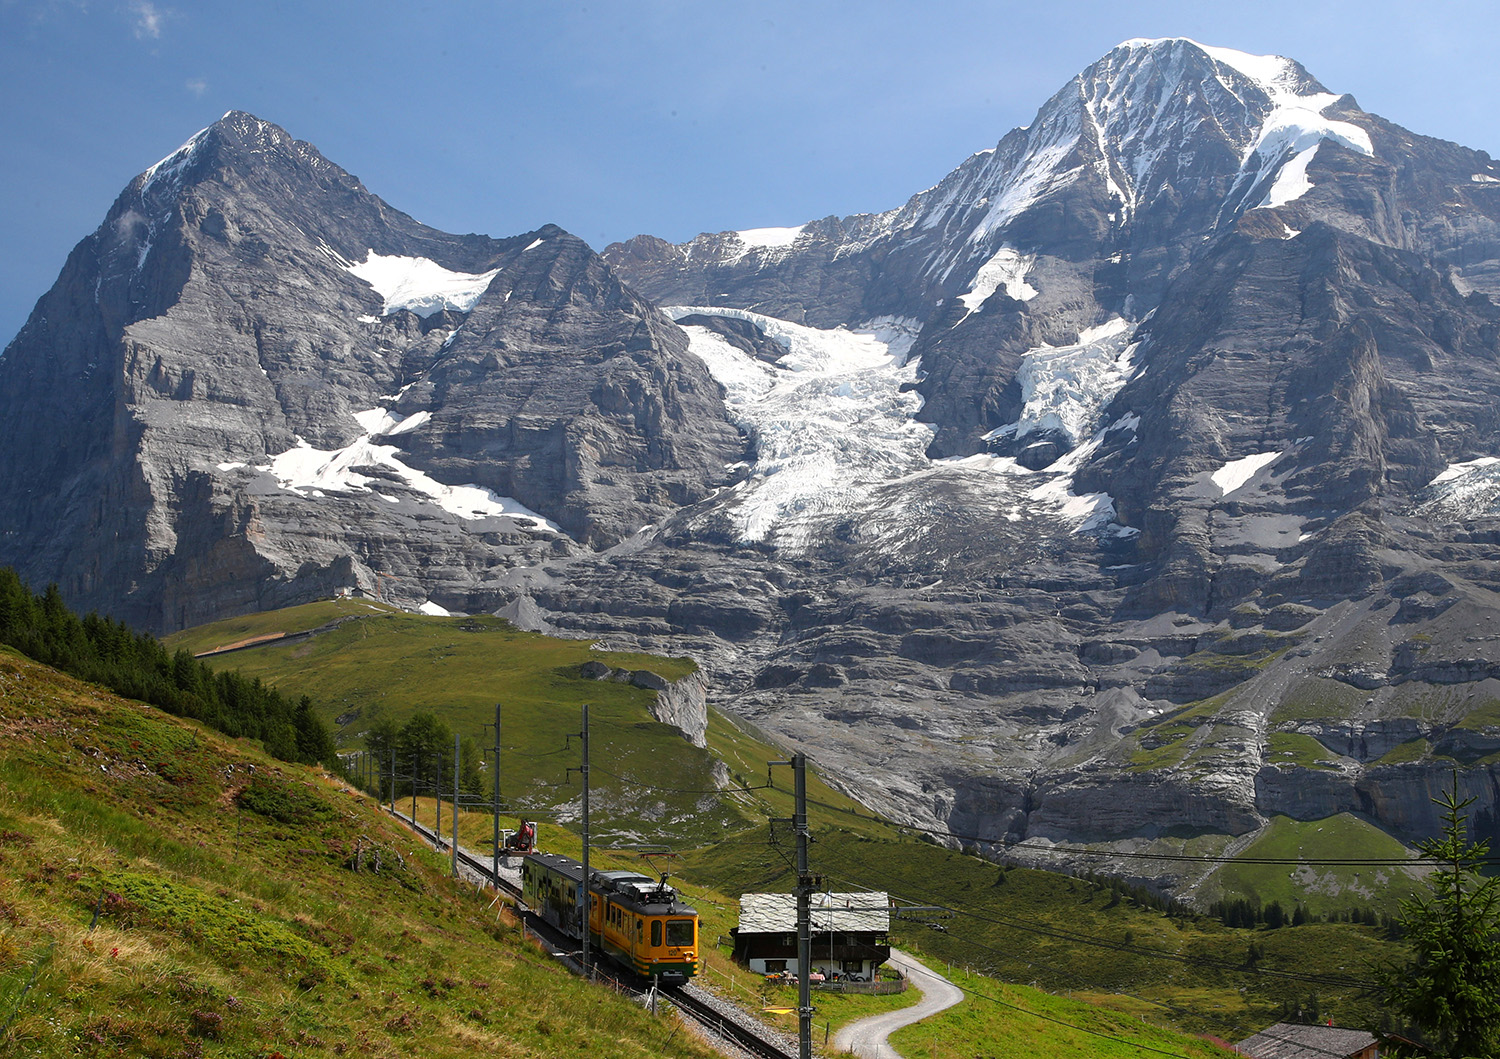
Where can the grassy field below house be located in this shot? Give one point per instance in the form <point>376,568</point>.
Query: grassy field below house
<point>996,1021</point>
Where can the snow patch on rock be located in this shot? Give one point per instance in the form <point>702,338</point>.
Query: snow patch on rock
<point>1465,491</point>
<point>1006,268</point>
<point>1066,388</point>
<point>1236,474</point>
<point>420,285</point>
<point>314,472</point>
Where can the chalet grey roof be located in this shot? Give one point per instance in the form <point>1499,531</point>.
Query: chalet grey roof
<point>855,913</point>
<point>1286,1040</point>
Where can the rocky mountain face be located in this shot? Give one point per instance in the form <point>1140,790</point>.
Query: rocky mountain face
<point>1138,481</point>
<point>257,384</point>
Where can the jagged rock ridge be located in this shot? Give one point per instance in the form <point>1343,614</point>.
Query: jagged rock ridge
<point>276,387</point>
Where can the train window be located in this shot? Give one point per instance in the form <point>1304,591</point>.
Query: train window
<point>640,928</point>
<point>656,932</point>
<point>680,932</point>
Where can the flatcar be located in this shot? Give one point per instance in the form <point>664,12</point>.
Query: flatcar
<point>638,921</point>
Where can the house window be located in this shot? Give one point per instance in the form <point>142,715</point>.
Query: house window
<point>775,966</point>
<point>853,966</point>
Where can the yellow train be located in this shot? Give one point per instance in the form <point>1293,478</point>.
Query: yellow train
<point>638,921</point>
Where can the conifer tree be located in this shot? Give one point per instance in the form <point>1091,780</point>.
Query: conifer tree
<point>1450,985</point>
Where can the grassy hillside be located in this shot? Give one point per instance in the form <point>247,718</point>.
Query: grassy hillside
<point>1066,934</point>
<point>1005,1020</point>
<point>1062,933</point>
<point>167,891</point>
<point>1322,889</point>
<point>375,662</point>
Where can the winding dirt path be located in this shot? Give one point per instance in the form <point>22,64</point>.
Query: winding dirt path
<point>868,1038</point>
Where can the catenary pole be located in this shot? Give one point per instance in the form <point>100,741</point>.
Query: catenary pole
<point>455,802</point>
<point>495,799</point>
<point>804,900</point>
<point>585,887</point>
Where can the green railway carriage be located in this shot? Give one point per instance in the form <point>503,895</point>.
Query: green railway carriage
<point>638,921</point>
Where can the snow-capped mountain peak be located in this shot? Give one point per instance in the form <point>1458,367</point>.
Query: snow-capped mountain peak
<point>1205,124</point>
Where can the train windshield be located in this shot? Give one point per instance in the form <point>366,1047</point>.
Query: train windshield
<point>680,932</point>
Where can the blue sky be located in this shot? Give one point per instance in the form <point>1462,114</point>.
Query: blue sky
<point>613,118</point>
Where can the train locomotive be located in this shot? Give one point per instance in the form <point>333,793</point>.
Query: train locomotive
<point>637,920</point>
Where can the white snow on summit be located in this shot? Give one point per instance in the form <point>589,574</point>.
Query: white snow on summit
<point>171,167</point>
<point>420,285</point>
<point>770,236</point>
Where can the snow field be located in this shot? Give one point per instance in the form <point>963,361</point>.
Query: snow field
<point>419,285</point>
<point>835,435</point>
<point>315,472</point>
<point>829,419</point>
<point>1235,474</point>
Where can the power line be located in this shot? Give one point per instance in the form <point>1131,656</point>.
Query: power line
<point>681,790</point>
<point>1003,846</point>
<point>1192,961</point>
<point>967,991</point>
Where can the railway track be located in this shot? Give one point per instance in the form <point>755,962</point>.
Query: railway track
<point>712,1016</point>
<point>717,1018</point>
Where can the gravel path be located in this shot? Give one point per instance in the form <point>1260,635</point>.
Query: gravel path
<point>868,1037</point>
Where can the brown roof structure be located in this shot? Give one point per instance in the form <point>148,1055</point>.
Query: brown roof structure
<point>1287,1040</point>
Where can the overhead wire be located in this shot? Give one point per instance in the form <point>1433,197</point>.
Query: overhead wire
<point>678,790</point>
<point>1002,846</point>
<point>1086,939</point>
<point>968,991</point>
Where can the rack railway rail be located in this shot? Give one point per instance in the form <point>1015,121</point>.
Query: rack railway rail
<point>716,1017</point>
